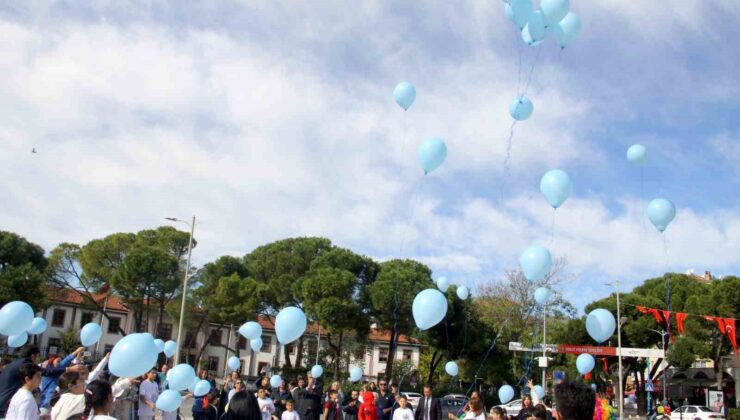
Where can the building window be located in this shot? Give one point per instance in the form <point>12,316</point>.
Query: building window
<point>216,336</point>
<point>266,343</point>
<point>407,354</point>
<point>291,349</point>
<point>383,355</point>
<point>261,365</point>
<point>190,340</point>
<point>188,358</point>
<point>57,318</point>
<point>213,363</point>
<point>164,331</point>
<point>242,343</point>
<point>114,323</point>
<point>54,344</point>
<point>86,318</point>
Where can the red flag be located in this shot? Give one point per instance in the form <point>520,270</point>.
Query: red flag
<point>642,309</point>
<point>720,324</point>
<point>666,319</point>
<point>104,289</point>
<point>730,332</point>
<point>680,318</point>
<point>656,314</point>
<point>605,361</point>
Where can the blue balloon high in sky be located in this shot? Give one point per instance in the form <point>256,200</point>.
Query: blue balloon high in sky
<point>637,154</point>
<point>600,325</point>
<point>521,108</point>
<point>556,186</point>
<point>38,326</point>
<point>443,284</point>
<point>567,30</point>
<point>535,262</point>
<point>520,12</point>
<point>661,213</point>
<point>432,153</point>
<point>250,330</point>
<point>585,363</point>
<point>536,26</point>
<point>290,323</point>
<point>405,95</point>
<point>553,11</point>
<point>542,295</point>
<point>429,308</point>
<point>90,334</point>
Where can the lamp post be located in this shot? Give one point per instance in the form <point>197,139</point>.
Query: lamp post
<point>662,347</point>
<point>620,394</point>
<point>184,285</point>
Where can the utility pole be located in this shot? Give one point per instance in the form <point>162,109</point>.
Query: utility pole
<point>619,354</point>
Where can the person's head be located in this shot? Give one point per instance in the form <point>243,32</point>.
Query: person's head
<point>265,383</point>
<point>71,382</point>
<point>497,413</point>
<point>242,405</point>
<point>526,401</point>
<point>547,401</point>
<point>29,351</point>
<point>203,374</point>
<point>301,382</point>
<point>368,397</point>
<point>477,405</point>
<point>427,390</point>
<point>332,394</point>
<point>261,393</point>
<point>355,395</point>
<point>538,413</point>
<point>239,385</point>
<point>372,387</point>
<point>394,390</point>
<point>383,385</point>
<point>289,405</point>
<point>31,375</point>
<point>98,397</point>
<point>402,401</point>
<point>151,375</point>
<point>165,368</point>
<point>234,375</point>
<point>574,401</point>
<point>335,385</point>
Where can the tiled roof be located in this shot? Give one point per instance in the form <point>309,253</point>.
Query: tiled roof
<point>71,297</point>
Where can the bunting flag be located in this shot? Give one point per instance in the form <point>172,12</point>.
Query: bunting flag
<point>726,326</point>
<point>730,332</point>
<point>605,362</point>
<point>680,318</point>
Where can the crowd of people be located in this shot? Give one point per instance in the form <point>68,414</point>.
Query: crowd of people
<point>71,388</point>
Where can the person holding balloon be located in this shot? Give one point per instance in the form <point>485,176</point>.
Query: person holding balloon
<point>148,393</point>
<point>267,408</point>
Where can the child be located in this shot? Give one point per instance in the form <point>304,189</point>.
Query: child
<point>267,408</point>
<point>23,406</point>
<point>403,412</point>
<point>289,413</point>
<point>331,409</point>
<point>148,394</point>
<point>99,400</point>
<point>368,409</point>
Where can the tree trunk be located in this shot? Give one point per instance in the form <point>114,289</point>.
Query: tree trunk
<point>337,356</point>
<point>641,397</point>
<point>287,364</point>
<point>433,366</point>
<point>299,352</point>
<point>391,353</point>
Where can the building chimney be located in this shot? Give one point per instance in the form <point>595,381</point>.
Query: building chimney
<point>708,275</point>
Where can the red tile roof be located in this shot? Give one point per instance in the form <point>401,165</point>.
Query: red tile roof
<point>71,297</point>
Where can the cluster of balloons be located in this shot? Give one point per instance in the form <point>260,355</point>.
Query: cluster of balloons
<point>553,17</point>
<point>16,319</point>
<point>253,332</point>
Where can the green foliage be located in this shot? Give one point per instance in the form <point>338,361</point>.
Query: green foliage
<point>69,340</point>
<point>22,271</point>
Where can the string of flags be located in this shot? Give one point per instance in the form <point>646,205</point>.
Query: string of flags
<point>726,326</point>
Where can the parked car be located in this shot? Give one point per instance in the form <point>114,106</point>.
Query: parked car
<point>695,412</point>
<point>413,398</point>
<point>512,407</point>
<point>452,404</point>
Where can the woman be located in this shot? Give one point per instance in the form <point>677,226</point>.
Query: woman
<point>267,408</point>
<point>72,399</point>
<point>527,408</point>
<point>243,406</point>
<point>238,387</point>
<point>499,413</point>
<point>282,395</point>
<point>476,409</point>
<point>99,400</point>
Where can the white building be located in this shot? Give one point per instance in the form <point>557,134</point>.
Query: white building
<point>68,311</point>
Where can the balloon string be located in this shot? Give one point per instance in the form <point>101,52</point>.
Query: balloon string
<point>552,227</point>
<point>447,338</point>
<point>507,160</point>
<point>531,69</point>
<point>643,211</point>
<point>519,70</point>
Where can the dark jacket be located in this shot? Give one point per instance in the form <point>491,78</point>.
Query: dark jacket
<point>350,411</point>
<point>11,381</point>
<point>386,401</point>
<point>435,411</point>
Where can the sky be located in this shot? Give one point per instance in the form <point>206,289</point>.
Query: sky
<point>269,120</point>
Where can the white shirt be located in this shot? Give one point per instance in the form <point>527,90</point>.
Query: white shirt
<point>471,416</point>
<point>403,414</point>
<point>290,415</point>
<point>68,405</point>
<point>150,391</point>
<point>266,407</point>
<point>22,406</point>
<point>102,417</point>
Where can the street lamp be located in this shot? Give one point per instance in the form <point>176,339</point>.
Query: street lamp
<point>184,284</point>
<point>620,395</point>
<point>662,333</point>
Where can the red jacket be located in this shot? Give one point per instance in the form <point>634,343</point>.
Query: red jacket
<point>368,409</point>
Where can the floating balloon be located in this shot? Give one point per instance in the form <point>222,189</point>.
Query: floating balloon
<point>233,363</point>
<point>202,388</point>
<point>250,330</point>
<point>159,344</point>
<point>276,381</point>
<point>15,317</point>
<point>553,11</point>
<point>432,153</point>
<point>90,334</point>
<point>637,154</point>
<point>256,344</point>
<point>192,385</point>
<point>505,394</point>
<point>556,186</point>
<point>405,95</point>
<point>509,12</point>
<point>451,368</point>
<point>180,376</point>
<point>355,374</point>
<point>527,38</point>
<point>585,363</point>
<point>567,29</point>
<point>38,326</point>
<point>536,26</point>
<point>133,355</point>
<point>18,340</point>
<point>600,324</point>
<point>535,262</point>
<point>317,371</point>
<point>539,391</point>
<point>521,10</point>
<point>169,400</point>
<point>661,213</point>
<point>290,324</point>
<point>170,347</point>
<point>542,295</point>
<point>521,108</point>
<point>463,292</point>
<point>443,284</point>
<point>429,308</point>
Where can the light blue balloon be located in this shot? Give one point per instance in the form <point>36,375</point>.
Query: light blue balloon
<point>192,385</point>
<point>15,317</point>
<point>661,213</point>
<point>521,11</point>
<point>90,334</point>
<point>317,371</point>
<point>463,292</point>
<point>429,308</point>
<point>509,12</point>
<point>451,368</point>
<point>521,108</point>
<point>256,344</point>
<point>553,11</point>
<point>542,295</point>
<point>600,325</point>
<point>181,376</point>
<point>585,363</point>
<point>233,363</point>
<point>443,284</point>
<point>535,262</point>
<point>159,344</point>
<point>169,400</point>
<point>567,30</point>
<point>18,340</point>
<point>275,381</point>
<point>202,388</point>
<point>133,355</point>
<point>527,38</point>
<point>250,330</point>
<point>432,153</point>
<point>539,391</point>
<point>404,94</point>
<point>38,326</point>
<point>355,374</point>
<point>505,394</point>
<point>556,186</point>
<point>536,26</point>
<point>170,347</point>
<point>290,324</point>
<point>637,154</point>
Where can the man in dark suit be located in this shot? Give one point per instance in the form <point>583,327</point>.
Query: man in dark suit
<point>428,408</point>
